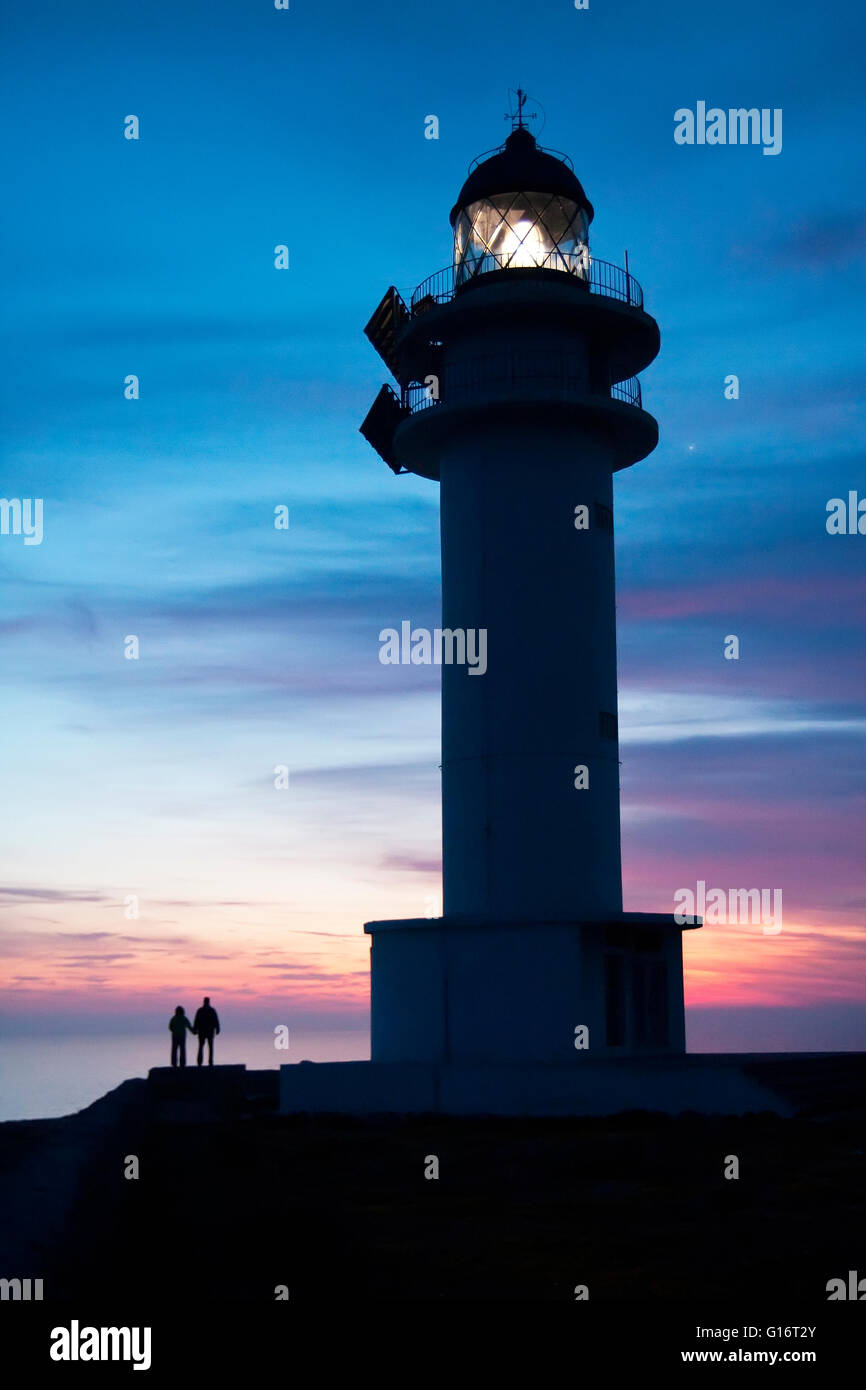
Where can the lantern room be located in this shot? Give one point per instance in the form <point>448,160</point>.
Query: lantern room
<point>522,208</point>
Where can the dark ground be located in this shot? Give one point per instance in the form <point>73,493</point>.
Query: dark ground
<point>634,1206</point>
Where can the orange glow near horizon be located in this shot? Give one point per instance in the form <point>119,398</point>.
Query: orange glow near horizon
<point>326,967</point>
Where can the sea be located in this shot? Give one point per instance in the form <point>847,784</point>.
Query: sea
<point>44,1077</point>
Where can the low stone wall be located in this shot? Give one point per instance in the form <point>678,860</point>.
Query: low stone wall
<point>704,1084</point>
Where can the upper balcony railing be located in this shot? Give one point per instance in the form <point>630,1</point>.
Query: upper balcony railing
<point>600,277</point>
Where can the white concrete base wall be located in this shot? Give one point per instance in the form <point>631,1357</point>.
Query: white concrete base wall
<point>458,994</point>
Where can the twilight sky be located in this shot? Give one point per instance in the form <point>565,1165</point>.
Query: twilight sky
<point>258,647</point>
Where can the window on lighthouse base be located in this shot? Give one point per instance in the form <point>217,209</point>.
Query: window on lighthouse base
<point>636,998</point>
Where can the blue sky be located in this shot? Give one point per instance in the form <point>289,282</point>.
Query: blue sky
<point>258,647</point>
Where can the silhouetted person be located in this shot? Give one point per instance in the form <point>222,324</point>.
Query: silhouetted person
<point>178,1024</point>
<point>205,1025</point>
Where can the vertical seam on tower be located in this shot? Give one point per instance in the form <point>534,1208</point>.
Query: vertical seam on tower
<point>489,827</point>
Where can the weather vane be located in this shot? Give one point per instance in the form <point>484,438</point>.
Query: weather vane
<point>517,119</point>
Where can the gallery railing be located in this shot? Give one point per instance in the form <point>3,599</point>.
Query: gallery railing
<point>600,277</point>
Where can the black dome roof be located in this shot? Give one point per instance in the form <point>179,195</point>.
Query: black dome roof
<point>521,167</point>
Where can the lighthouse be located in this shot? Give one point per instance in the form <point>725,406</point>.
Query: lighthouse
<point>515,389</point>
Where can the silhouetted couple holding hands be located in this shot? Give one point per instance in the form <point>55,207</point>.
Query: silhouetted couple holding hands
<point>205,1025</point>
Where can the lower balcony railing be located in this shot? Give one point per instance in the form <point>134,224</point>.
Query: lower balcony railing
<point>628,391</point>
<point>562,384</point>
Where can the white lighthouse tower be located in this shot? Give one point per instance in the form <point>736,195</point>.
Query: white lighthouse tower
<point>516,371</point>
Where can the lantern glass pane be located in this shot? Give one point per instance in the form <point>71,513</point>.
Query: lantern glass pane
<point>519,231</point>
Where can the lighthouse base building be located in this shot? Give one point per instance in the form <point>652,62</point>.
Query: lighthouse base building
<point>487,991</point>
<point>516,391</point>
